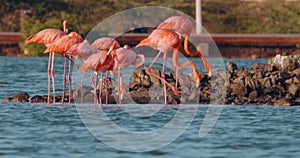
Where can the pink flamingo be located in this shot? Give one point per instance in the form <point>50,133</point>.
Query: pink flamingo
<point>165,41</point>
<point>82,51</point>
<point>105,43</point>
<point>124,58</point>
<point>61,46</point>
<point>46,37</point>
<point>183,26</point>
<point>99,62</point>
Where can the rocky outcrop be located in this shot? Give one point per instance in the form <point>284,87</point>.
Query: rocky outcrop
<point>276,83</point>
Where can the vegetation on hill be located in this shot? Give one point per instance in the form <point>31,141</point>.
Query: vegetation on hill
<point>219,16</point>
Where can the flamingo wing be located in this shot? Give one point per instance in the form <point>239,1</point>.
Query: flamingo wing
<point>63,44</point>
<point>125,57</point>
<point>105,43</point>
<point>179,24</point>
<point>93,61</point>
<point>162,39</point>
<point>82,51</point>
<point>46,36</point>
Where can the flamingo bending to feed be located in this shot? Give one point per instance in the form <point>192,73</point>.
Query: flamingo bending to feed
<point>82,51</point>
<point>165,41</point>
<point>61,46</point>
<point>105,43</point>
<point>124,58</point>
<point>99,62</point>
<point>183,26</point>
<point>46,37</point>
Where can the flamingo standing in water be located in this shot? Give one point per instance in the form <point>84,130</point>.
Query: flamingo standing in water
<point>61,46</point>
<point>47,37</point>
<point>183,26</point>
<point>165,40</point>
<point>99,62</point>
<point>105,43</point>
<point>124,58</point>
<point>82,51</point>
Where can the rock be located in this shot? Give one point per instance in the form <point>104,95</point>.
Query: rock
<point>294,89</point>
<point>242,72</point>
<point>6,99</point>
<point>284,75</point>
<point>238,89</point>
<point>284,62</point>
<point>253,96</point>
<point>153,79</point>
<point>296,72</point>
<point>231,66</point>
<point>283,102</point>
<point>39,99</point>
<point>21,97</point>
<point>288,64</point>
<point>252,84</point>
<point>258,74</point>
<point>296,79</point>
<point>267,82</point>
<point>264,67</point>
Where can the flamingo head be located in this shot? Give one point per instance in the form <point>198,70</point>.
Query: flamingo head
<point>66,26</point>
<point>126,46</point>
<point>76,36</point>
<point>111,48</point>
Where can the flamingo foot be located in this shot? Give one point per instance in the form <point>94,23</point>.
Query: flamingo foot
<point>197,78</point>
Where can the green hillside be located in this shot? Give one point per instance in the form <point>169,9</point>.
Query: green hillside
<point>219,16</point>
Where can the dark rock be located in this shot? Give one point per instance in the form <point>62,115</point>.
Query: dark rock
<point>253,96</point>
<point>284,75</point>
<point>252,84</point>
<point>231,66</point>
<point>21,97</point>
<point>39,99</point>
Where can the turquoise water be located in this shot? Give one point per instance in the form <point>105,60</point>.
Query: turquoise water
<point>38,130</point>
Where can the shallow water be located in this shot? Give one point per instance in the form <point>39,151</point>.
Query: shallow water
<point>38,130</point>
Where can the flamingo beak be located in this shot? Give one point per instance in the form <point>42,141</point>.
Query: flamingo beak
<point>111,48</point>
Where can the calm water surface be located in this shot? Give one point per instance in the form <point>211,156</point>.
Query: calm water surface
<point>37,130</point>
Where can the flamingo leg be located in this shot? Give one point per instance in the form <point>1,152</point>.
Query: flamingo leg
<point>148,70</point>
<point>100,92</point>
<point>52,76</point>
<point>188,52</point>
<point>65,80</point>
<point>163,77</point>
<point>49,73</point>
<point>81,87</point>
<point>70,81</point>
<point>197,76</point>
<point>120,86</point>
<point>106,87</point>
<point>95,90</point>
<point>176,82</point>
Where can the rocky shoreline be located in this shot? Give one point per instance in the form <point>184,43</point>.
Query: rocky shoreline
<point>276,83</point>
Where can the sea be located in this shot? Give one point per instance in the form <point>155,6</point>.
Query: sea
<point>83,130</point>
